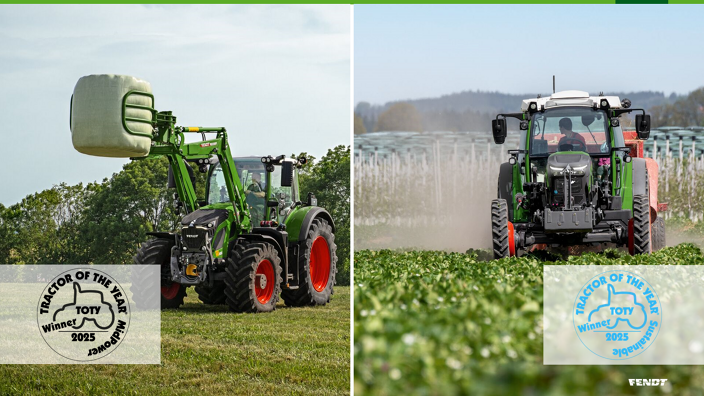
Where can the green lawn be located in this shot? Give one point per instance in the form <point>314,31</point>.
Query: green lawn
<point>208,350</point>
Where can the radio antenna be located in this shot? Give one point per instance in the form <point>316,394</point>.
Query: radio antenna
<point>553,83</point>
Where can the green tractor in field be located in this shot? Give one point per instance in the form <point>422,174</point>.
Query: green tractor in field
<point>250,240</point>
<point>576,179</point>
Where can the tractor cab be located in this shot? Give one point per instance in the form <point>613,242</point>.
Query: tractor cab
<point>266,193</point>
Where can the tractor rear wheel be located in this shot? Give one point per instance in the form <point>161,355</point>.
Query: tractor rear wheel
<point>156,252</point>
<point>212,295</point>
<point>639,227</point>
<point>501,230</point>
<point>317,266</point>
<point>253,278</point>
<point>658,230</point>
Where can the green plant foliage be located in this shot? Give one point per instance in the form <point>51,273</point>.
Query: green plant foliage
<point>436,323</point>
<point>43,227</point>
<point>125,207</point>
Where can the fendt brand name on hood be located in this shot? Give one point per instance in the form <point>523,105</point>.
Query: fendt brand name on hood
<point>191,236</point>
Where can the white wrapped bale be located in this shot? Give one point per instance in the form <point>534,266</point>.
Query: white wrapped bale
<point>96,116</point>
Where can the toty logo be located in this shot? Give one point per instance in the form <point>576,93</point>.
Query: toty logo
<point>617,315</point>
<point>83,314</point>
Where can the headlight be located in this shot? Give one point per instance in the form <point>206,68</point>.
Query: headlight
<point>556,169</point>
<point>580,168</point>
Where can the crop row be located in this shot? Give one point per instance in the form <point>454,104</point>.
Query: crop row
<point>447,323</point>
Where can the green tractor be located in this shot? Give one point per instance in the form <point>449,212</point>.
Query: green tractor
<point>577,179</point>
<point>249,241</point>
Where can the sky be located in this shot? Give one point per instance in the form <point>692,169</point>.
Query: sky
<point>276,76</point>
<point>417,51</point>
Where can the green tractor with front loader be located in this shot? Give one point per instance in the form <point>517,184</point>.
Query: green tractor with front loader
<point>577,180</point>
<point>249,241</point>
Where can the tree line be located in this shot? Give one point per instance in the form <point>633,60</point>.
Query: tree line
<point>474,110</point>
<point>106,222</point>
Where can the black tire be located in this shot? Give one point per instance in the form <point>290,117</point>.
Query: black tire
<point>315,289</point>
<point>658,231</point>
<point>641,224</point>
<point>244,289</point>
<point>499,228</point>
<point>505,186</point>
<point>212,295</point>
<point>156,252</point>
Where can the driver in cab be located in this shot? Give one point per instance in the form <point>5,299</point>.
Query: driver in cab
<point>256,186</point>
<point>570,137</point>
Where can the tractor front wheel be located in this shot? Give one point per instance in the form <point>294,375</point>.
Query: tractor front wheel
<point>253,278</point>
<point>317,266</point>
<point>639,227</point>
<point>212,295</point>
<point>156,252</point>
<point>502,237</point>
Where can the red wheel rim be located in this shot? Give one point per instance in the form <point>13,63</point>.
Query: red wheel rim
<point>170,292</point>
<point>511,240</point>
<point>264,288</point>
<point>319,263</point>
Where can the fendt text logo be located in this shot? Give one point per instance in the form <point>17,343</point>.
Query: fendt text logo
<point>647,382</point>
<point>617,315</point>
<point>83,314</point>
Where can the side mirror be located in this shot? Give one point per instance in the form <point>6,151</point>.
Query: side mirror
<point>286,174</point>
<point>311,200</point>
<point>498,129</point>
<point>643,126</point>
<point>272,204</point>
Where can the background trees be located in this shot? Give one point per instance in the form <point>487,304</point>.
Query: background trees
<point>359,128</point>
<point>105,223</point>
<point>400,117</point>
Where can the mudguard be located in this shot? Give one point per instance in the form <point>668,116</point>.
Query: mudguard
<point>268,239</point>
<point>505,187</point>
<point>653,171</point>
<point>639,176</point>
<point>298,223</point>
<point>163,235</point>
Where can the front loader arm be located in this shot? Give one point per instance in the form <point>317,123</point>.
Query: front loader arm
<point>168,140</point>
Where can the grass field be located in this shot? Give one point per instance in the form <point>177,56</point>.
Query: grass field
<point>437,323</point>
<point>208,350</point>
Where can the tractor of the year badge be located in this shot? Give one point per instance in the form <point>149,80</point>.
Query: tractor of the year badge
<point>617,315</point>
<point>83,314</point>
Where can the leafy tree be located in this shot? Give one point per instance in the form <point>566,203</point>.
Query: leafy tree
<point>329,180</point>
<point>400,117</point>
<point>359,128</point>
<point>687,111</point>
<point>6,235</point>
<point>124,208</point>
<point>106,222</point>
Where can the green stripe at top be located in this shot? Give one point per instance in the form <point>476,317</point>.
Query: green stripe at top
<point>641,2</point>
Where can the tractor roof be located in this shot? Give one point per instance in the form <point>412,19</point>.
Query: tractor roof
<point>572,98</point>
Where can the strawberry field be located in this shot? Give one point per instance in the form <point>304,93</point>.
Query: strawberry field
<point>437,323</point>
